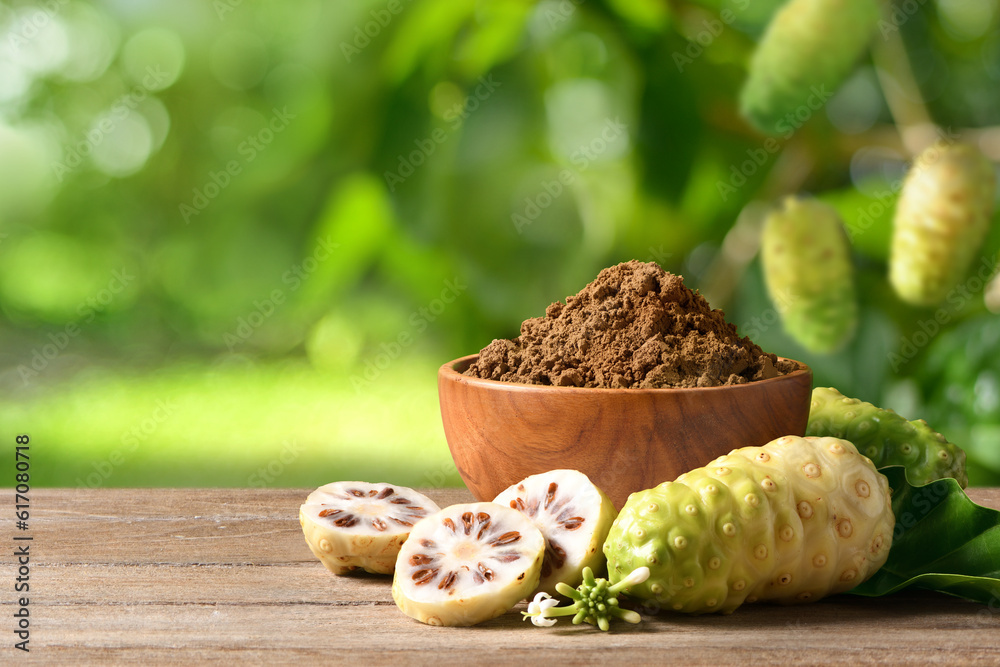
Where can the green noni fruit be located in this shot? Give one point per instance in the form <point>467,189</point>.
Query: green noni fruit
<point>941,219</point>
<point>809,48</point>
<point>807,267</point>
<point>886,438</point>
<point>792,521</point>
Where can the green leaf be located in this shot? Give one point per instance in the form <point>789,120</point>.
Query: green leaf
<point>647,14</point>
<point>494,36</point>
<point>942,542</point>
<point>356,224</point>
<point>426,28</point>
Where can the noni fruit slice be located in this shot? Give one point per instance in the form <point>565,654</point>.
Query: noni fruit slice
<point>809,48</point>
<point>467,564</point>
<point>807,267</point>
<point>792,521</point>
<point>351,525</point>
<point>941,219</point>
<point>574,517</point>
<point>886,438</point>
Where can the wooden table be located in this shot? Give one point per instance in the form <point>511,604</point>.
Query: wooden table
<point>199,575</point>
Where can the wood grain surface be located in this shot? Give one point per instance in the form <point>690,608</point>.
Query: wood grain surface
<point>144,576</point>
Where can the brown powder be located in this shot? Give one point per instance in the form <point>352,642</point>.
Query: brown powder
<point>634,326</point>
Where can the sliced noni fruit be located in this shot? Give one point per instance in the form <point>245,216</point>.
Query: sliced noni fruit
<point>352,525</point>
<point>574,517</point>
<point>467,564</point>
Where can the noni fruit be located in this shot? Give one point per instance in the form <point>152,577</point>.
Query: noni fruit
<point>466,564</point>
<point>809,48</point>
<point>807,267</point>
<point>941,219</point>
<point>792,521</point>
<point>358,525</point>
<point>574,517</point>
<point>886,438</point>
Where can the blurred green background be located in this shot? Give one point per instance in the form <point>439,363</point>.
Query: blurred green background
<point>238,237</point>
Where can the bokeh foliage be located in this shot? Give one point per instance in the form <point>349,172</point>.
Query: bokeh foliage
<point>244,233</point>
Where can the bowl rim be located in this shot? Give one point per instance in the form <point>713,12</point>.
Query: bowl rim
<point>448,371</point>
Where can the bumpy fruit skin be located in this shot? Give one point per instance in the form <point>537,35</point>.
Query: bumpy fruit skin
<point>789,522</point>
<point>942,217</point>
<point>807,267</point>
<point>809,48</point>
<point>886,438</point>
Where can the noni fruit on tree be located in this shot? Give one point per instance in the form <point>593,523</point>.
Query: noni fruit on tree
<point>807,267</point>
<point>941,220</point>
<point>809,48</point>
<point>886,438</point>
<point>792,521</point>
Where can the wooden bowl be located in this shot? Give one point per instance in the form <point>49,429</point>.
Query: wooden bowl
<point>625,440</point>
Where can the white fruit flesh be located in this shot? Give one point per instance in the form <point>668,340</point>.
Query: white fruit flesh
<point>574,517</point>
<point>351,525</point>
<point>467,564</point>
